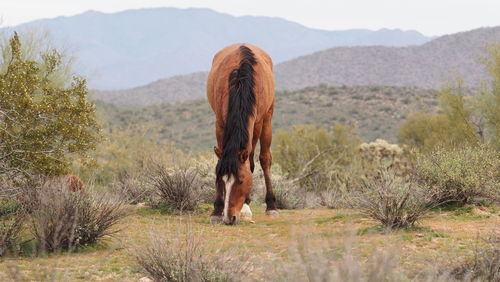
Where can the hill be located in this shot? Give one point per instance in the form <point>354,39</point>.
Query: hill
<point>135,47</point>
<point>375,111</point>
<point>426,66</point>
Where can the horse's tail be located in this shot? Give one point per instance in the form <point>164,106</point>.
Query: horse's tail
<point>241,105</point>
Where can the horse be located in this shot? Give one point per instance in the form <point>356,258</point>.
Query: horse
<point>240,90</point>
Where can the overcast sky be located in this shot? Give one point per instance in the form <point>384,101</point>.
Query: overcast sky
<point>431,17</point>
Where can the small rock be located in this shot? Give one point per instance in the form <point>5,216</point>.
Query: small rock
<point>145,279</point>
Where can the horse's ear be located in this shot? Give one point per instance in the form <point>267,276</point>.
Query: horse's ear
<point>218,152</point>
<point>243,156</point>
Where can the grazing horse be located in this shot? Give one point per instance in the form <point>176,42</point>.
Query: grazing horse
<point>240,90</point>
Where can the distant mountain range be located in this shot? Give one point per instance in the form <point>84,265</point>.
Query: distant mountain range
<point>135,47</point>
<point>428,66</point>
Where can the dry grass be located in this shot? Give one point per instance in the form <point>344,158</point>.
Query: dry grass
<point>443,237</point>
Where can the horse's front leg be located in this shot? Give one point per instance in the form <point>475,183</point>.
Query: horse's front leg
<point>216,216</point>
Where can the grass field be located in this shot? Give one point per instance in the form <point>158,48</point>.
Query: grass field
<point>443,238</point>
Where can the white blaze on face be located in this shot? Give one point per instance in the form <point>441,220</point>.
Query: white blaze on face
<point>228,184</point>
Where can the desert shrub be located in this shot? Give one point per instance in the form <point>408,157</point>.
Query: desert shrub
<point>461,175</point>
<point>61,219</point>
<point>176,189</point>
<point>393,200</point>
<point>185,258</point>
<point>382,155</point>
<point>130,188</point>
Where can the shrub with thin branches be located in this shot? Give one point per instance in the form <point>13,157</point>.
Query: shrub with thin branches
<point>184,258</point>
<point>176,189</point>
<point>61,219</point>
<point>393,200</point>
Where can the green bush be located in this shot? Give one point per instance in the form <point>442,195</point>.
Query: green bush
<point>46,119</point>
<point>461,175</point>
<point>307,152</point>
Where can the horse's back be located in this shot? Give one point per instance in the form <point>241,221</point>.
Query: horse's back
<point>228,59</point>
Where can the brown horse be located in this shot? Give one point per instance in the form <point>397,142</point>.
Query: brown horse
<point>240,90</point>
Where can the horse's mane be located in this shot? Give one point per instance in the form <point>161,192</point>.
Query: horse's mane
<point>240,107</point>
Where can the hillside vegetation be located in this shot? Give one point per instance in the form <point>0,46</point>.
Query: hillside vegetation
<point>374,111</point>
<point>426,66</point>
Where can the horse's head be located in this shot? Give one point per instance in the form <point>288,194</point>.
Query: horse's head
<point>236,189</point>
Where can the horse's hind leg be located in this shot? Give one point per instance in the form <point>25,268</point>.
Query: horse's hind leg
<point>265,162</point>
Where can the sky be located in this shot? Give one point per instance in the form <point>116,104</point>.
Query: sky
<point>431,17</point>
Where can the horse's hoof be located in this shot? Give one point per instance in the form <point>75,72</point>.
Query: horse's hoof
<point>215,219</point>
<point>246,213</point>
<point>272,213</point>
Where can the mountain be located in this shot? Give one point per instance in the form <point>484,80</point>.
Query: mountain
<point>375,111</point>
<point>135,47</point>
<point>427,66</point>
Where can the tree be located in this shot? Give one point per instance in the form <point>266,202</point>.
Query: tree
<point>490,102</point>
<point>46,120</point>
<point>452,127</point>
